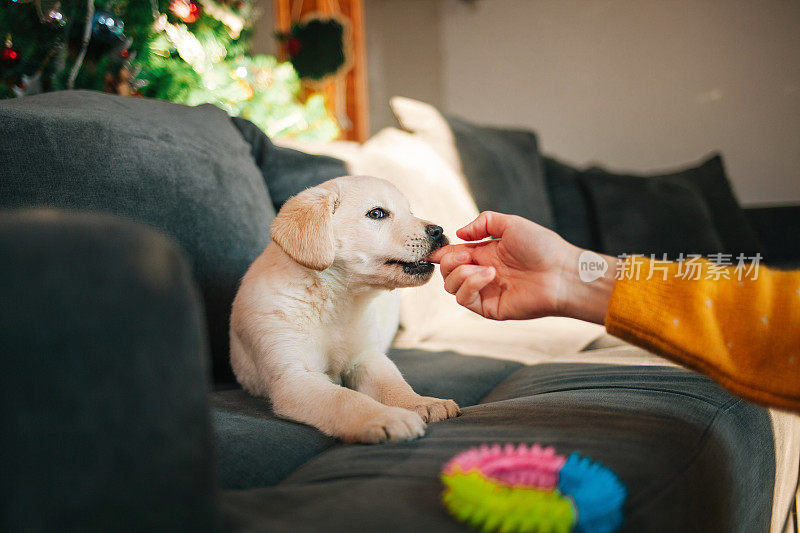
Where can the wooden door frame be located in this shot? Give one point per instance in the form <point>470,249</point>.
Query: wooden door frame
<point>348,96</point>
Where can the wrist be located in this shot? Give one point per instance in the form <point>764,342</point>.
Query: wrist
<point>588,281</point>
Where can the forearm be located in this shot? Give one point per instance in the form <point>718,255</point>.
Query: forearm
<point>743,333</point>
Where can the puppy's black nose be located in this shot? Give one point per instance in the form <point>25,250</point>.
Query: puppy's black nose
<point>434,232</point>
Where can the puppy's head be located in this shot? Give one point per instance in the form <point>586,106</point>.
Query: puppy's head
<point>362,225</point>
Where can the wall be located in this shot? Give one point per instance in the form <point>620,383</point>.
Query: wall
<point>637,85</point>
<point>264,41</point>
<point>629,84</point>
<point>403,54</point>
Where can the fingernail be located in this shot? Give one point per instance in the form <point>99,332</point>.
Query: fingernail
<point>461,257</point>
<point>487,272</point>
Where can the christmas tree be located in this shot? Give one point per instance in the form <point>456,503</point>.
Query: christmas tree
<point>185,51</point>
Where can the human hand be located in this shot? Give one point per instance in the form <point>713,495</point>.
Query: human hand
<point>526,271</point>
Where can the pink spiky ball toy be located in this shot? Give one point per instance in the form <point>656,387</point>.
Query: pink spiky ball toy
<point>532,489</point>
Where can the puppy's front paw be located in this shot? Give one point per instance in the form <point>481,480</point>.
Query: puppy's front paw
<point>434,409</point>
<point>390,425</point>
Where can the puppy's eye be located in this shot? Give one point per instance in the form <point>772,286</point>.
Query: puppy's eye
<point>377,213</point>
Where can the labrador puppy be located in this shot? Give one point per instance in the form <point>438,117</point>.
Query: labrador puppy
<point>305,326</point>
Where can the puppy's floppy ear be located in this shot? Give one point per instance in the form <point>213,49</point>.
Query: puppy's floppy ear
<point>304,227</point>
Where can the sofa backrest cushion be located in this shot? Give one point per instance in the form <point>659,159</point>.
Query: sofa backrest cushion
<point>287,171</point>
<point>184,170</point>
<point>504,170</point>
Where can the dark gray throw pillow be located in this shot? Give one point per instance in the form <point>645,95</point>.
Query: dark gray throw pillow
<point>729,218</point>
<point>690,211</point>
<point>287,172</point>
<point>650,216</point>
<point>503,169</point>
<point>573,215</point>
<point>186,171</point>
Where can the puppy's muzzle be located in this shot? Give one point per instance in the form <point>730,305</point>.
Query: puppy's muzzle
<point>420,267</point>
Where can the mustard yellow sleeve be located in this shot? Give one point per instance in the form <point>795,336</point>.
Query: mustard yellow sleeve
<point>739,326</point>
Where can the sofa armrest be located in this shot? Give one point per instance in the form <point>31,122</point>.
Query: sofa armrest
<point>777,229</point>
<point>103,377</point>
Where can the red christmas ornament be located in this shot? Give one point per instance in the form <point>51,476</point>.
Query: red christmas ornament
<point>9,56</point>
<point>187,11</point>
<point>293,46</point>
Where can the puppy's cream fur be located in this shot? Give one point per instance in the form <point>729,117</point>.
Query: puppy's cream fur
<point>304,326</point>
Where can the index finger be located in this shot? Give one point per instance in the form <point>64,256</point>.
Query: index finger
<point>488,224</point>
<point>436,256</point>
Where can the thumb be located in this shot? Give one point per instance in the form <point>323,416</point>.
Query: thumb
<point>488,224</point>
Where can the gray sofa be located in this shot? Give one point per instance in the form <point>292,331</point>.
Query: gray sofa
<point>126,225</point>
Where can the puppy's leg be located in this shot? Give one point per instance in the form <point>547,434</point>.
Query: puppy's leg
<point>379,378</point>
<point>312,398</point>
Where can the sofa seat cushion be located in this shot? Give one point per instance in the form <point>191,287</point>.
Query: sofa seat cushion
<point>255,448</point>
<point>694,458</point>
<point>464,379</point>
